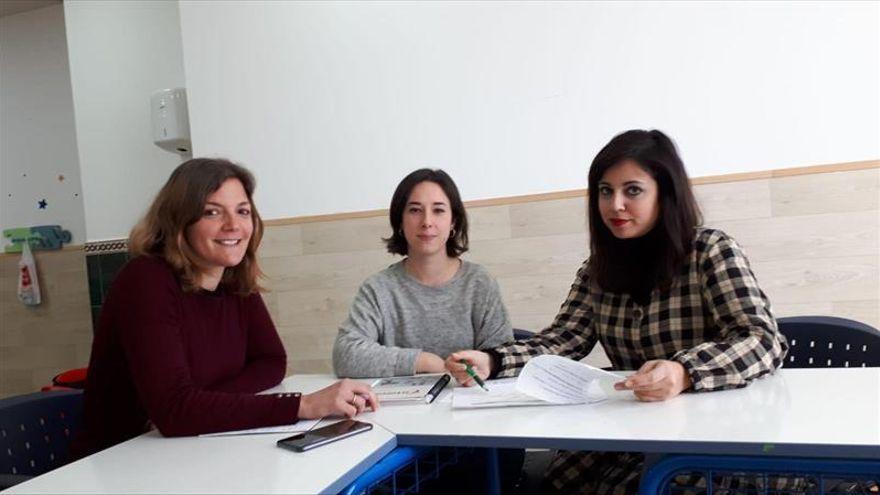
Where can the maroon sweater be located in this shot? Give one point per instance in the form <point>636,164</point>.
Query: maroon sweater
<point>188,363</point>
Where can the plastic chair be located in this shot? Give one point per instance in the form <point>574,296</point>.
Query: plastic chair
<point>829,342</point>
<point>683,474</point>
<point>405,470</point>
<point>35,433</point>
<point>70,379</point>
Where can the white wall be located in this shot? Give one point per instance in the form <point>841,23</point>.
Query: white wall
<point>37,135</point>
<point>332,103</point>
<point>120,52</point>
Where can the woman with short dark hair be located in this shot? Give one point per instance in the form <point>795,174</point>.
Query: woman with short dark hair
<point>677,302</point>
<point>185,341</point>
<point>407,318</point>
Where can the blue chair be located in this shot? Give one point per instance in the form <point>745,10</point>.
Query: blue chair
<point>520,334</point>
<point>405,470</point>
<point>759,475</point>
<point>35,433</point>
<point>829,342</point>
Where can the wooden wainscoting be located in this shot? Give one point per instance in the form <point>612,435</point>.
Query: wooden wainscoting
<point>811,235</point>
<point>37,343</point>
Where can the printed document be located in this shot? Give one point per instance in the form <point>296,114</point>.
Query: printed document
<point>545,380</point>
<point>300,426</point>
<point>405,388</point>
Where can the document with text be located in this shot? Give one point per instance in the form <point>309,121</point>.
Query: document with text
<point>545,380</point>
<point>300,426</point>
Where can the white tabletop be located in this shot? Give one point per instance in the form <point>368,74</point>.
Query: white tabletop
<point>804,412</point>
<point>241,464</point>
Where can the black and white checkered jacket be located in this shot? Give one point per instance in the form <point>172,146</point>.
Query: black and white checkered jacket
<point>714,320</point>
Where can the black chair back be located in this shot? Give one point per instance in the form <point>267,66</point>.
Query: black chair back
<point>520,334</point>
<point>829,342</point>
<point>36,431</point>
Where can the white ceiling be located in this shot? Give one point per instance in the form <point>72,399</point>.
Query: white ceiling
<point>9,7</point>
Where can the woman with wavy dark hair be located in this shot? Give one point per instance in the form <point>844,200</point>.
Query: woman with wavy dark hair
<point>676,302</point>
<point>407,318</point>
<point>184,340</point>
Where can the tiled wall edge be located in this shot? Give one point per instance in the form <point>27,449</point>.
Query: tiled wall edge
<point>106,247</point>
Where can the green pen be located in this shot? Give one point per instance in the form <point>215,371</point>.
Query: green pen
<point>473,374</point>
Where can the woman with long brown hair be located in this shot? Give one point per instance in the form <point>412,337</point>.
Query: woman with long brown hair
<point>184,340</point>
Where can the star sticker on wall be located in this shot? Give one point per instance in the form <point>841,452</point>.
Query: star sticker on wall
<point>42,204</point>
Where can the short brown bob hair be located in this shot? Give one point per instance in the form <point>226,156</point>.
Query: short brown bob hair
<point>457,242</point>
<point>179,204</point>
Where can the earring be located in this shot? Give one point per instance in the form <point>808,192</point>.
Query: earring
<point>452,233</point>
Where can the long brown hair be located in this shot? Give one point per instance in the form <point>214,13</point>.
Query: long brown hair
<point>179,204</point>
<point>679,213</point>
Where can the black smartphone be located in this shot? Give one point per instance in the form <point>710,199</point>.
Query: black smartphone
<point>324,435</point>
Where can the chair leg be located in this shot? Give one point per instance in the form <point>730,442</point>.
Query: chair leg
<point>493,476</point>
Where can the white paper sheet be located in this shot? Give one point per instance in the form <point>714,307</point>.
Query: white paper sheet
<point>502,393</point>
<point>563,381</point>
<point>404,388</point>
<point>298,427</point>
<point>545,380</point>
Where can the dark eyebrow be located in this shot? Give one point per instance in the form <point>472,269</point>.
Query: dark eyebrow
<point>627,183</point>
<point>246,203</point>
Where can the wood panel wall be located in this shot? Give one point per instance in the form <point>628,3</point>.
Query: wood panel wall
<point>812,239</point>
<point>811,235</point>
<point>37,343</point>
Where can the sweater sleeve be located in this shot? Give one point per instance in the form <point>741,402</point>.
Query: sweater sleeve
<point>157,359</point>
<point>494,327</point>
<point>265,359</point>
<point>571,335</point>
<point>749,343</point>
<point>359,351</point>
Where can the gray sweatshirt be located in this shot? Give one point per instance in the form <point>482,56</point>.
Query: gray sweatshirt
<point>394,317</point>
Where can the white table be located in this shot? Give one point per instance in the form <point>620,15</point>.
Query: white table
<point>240,464</point>
<point>828,413</point>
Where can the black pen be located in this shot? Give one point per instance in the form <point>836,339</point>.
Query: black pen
<point>436,389</point>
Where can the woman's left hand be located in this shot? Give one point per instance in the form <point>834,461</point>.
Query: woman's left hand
<point>657,380</point>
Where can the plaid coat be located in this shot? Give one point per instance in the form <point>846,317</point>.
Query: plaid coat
<point>714,320</point>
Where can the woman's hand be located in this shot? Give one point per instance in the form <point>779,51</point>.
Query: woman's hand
<point>657,380</point>
<point>343,398</point>
<point>429,363</point>
<point>480,361</point>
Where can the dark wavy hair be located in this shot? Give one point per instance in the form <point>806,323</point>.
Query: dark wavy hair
<point>179,204</point>
<point>458,242</point>
<point>679,214</point>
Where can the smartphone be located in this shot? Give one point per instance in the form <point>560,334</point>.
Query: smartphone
<point>324,435</point>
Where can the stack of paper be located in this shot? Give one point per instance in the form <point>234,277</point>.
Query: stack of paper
<point>405,388</point>
<point>545,380</point>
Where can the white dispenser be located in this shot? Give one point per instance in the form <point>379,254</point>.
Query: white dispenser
<point>170,117</point>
